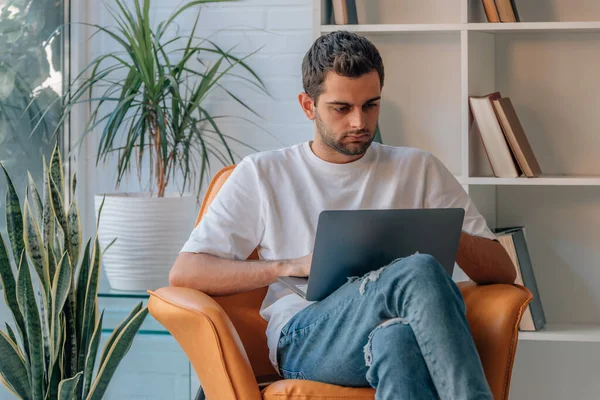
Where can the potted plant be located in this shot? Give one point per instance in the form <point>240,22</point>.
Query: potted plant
<point>156,119</point>
<point>52,349</point>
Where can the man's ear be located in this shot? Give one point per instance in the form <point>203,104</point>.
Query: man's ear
<point>307,104</point>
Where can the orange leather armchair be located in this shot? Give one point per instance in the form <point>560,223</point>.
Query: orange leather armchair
<point>224,337</point>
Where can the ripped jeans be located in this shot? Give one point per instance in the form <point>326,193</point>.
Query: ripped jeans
<point>401,329</point>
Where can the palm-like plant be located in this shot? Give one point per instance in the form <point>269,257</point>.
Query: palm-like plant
<point>155,97</point>
<point>55,315</point>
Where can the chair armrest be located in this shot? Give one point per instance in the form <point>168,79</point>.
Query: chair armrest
<point>494,313</point>
<point>209,339</point>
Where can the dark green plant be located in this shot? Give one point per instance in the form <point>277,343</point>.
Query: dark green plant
<point>53,298</point>
<point>147,96</point>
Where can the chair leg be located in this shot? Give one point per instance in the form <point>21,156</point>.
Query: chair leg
<point>200,395</point>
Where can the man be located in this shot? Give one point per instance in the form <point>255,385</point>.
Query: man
<point>401,330</point>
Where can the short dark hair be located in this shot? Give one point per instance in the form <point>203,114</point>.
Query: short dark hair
<point>345,53</point>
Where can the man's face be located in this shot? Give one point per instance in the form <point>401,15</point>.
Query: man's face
<point>347,111</point>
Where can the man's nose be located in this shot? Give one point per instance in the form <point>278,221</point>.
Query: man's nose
<point>357,118</point>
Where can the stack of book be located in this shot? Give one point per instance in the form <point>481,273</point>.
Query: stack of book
<point>513,240</point>
<point>503,137</point>
<point>501,10</point>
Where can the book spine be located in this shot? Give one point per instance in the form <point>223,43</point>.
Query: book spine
<point>491,12</point>
<point>529,281</point>
<point>352,12</point>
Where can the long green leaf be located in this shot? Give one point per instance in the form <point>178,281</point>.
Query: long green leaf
<point>29,309</point>
<point>61,286</point>
<point>47,212</point>
<point>118,350</point>
<point>56,201</point>
<point>52,265</point>
<point>67,387</point>
<point>12,367</point>
<point>56,169</point>
<point>7,279</point>
<point>74,229</point>
<point>82,278</point>
<point>91,293</point>
<point>35,248</point>
<point>8,386</point>
<point>37,201</point>
<point>117,331</point>
<point>55,369</point>
<point>11,333</point>
<point>92,352</point>
<point>36,251</point>
<point>14,218</point>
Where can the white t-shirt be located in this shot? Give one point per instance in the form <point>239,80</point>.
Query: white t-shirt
<point>272,202</point>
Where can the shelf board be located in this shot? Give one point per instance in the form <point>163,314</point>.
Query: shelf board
<point>546,180</point>
<point>391,28</point>
<point>592,26</point>
<point>565,333</point>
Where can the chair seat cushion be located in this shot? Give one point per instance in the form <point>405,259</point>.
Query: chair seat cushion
<point>297,389</point>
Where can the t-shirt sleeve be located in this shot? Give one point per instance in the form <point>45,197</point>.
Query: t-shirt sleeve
<point>442,190</point>
<point>233,224</point>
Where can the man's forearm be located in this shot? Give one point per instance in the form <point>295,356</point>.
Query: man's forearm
<point>484,260</point>
<point>217,276</point>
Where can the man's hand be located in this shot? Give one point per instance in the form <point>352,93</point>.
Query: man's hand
<point>298,267</point>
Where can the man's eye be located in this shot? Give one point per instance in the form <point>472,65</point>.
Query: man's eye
<point>371,105</point>
<point>341,109</point>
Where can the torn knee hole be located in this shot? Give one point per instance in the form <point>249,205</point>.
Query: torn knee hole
<point>367,349</point>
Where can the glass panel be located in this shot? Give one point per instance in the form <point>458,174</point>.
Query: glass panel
<point>32,66</point>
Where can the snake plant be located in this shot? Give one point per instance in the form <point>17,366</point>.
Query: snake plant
<point>51,350</point>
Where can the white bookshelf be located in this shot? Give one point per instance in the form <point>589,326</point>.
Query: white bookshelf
<point>475,27</point>
<point>586,333</point>
<point>439,52</point>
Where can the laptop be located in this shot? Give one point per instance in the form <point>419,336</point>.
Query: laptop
<point>354,242</point>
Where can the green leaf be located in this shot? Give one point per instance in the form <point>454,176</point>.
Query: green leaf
<point>35,248</point>
<point>56,201</point>
<point>11,333</point>
<point>8,386</point>
<point>67,387</point>
<point>14,218</point>
<point>91,293</point>
<point>29,309</point>
<point>47,212</point>
<point>37,201</point>
<point>75,237</point>
<point>90,360</point>
<point>117,331</point>
<point>80,292</point>
<point>7,279</point>
<point>52,266</point>
<point>60,292</point>
<point>118,350</point>
<point>13,367</point>
<point>56,370</point>
<point>56,170</point>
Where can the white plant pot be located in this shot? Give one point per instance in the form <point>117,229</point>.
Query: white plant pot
<point>149,232</point>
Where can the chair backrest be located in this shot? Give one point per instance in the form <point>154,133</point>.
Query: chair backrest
<point>243,308</point>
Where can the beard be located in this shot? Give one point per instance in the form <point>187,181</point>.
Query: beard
<point>348,149</point>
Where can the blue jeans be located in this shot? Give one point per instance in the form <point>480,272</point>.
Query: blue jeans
<point>401,329</point>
